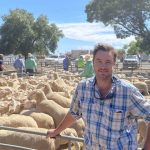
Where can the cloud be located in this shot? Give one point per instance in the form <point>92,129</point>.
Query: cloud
<point>92,32</point>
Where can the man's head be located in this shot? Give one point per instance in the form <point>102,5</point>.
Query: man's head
<point>105,48</point>
<point>20,56</point>
<point>30,55</point>
<point>1,56</point>
<point>104,58</point>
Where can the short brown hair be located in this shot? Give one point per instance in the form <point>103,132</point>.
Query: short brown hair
<point>105,48</point>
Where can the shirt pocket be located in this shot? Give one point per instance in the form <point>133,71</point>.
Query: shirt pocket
<point>116,119</point>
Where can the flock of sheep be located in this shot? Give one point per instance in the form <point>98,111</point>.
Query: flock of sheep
<point>40,103</point>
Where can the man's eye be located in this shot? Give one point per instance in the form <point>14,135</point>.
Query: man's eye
<point>98,62</point>
<point>108,62</point>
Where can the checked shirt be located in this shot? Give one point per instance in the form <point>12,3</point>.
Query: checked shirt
<point>110,122</point>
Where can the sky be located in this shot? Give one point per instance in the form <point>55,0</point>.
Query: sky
<point>70,17</point>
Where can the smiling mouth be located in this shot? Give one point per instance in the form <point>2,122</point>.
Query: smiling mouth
<point>102,70</point>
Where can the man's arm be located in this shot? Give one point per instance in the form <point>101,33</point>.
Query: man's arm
<point>147,141</point>
<point>66,122</point>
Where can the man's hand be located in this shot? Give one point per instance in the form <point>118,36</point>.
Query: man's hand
<point>52,133</point>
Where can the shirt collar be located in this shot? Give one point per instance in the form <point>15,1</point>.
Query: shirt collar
<point>114,79</point>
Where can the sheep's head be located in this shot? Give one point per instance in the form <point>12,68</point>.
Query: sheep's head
<point>38,95</point>
<point>44,87</point>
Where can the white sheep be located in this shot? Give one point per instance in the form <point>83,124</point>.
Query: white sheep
<point>27,140</point>
<point>17,120</point>
<point>43,120</point>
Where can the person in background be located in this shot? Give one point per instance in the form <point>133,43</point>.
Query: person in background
<point>30,65</point>
<point>66,63</point>
<point>109,107</point>
<point>19,65</point>
<point>139,57</point>
<point>1,64</point>
<point>80,63</point>
<point>88,70</point>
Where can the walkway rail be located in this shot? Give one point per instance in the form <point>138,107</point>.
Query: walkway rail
<point>69,138</point>
<point>64,137</point>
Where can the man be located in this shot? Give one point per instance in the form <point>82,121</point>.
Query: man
<point>66,63</point>
<point>19,65</point>
<point>109,107</point>
<point>30,65</point>
<point>1,63</point>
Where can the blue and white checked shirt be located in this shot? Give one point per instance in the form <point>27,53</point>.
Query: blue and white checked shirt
<point>110,123</point>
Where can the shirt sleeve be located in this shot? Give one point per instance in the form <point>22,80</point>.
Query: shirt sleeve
<point>75,108</point>
<point>140,106</point>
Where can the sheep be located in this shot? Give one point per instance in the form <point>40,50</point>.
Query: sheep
<point>38,95</point>
<point>62,143</point>
<point>59,99</point>
<point>53,109</point>
<point>23,86</point>
<point>142,130</point>
<point>47,90</point>
<point>79,127</point>
<point>33,81</point>
<point>4,107</point>
<point>27,112</point>
<point>142,86</point>
<point>3,82</point>
<point>5,91</point>
<point>43,120</point>
<point>17,120</point>
<point>58,113</point>
<point>27,140</point>
<point>148,84</point>
<point>29,104</point>
<point>15,107</point>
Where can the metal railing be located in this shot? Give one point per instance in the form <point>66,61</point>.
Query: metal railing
<point>64,137</point>
<point>15,146</point>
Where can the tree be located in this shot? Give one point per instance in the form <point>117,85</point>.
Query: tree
<point>121,54</point>
<point>127,17</point>
<point>46,36</point>
<point>132,48</point>
<point>21,33</point>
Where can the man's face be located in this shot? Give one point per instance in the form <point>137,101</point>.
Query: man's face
<point>103,64</point>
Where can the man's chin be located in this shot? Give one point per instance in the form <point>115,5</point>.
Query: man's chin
<point>103,76</point>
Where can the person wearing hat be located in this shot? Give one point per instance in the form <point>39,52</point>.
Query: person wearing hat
<point>19,65</point>
<point>30,65</point>
<point>80,63</point>
<point>88,70</point>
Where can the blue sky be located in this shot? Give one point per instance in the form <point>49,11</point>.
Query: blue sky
<point>70,17</point>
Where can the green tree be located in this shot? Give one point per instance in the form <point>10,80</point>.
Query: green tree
<point>46,36</point>
<point>121,54</point>
<point>132,48</point>
<point>22,33</point>
<point>127,17</point>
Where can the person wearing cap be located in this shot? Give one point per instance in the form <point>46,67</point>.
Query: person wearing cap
<point>19,65</point>
<point>30,65</point>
